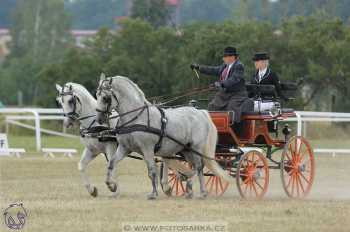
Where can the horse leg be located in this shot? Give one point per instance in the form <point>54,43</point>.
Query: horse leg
<point>164,180</point>
<point>189,176</point>
<point>152,173</point>
<point>198,167</point>
<point>86,158</point>
<point>200,173</point>
<point>115,158</point>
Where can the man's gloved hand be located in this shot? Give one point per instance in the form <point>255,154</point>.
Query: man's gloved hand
<point>217,85</point>
<point>194,66</point>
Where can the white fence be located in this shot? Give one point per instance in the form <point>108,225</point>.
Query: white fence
<point>36,114</point>
<point>302,117</point>
<point>39,114</point>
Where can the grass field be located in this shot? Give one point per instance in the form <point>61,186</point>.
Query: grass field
<point>52,192</point>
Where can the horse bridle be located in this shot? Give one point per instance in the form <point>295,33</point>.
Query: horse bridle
<point>73,114</point>
<point>106,87</point>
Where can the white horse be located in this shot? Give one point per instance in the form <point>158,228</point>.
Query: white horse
<point>79,106</point>
<point>148,130</point>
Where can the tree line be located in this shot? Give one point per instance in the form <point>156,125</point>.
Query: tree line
<point>314,49</point>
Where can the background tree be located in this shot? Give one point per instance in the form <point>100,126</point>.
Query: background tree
<point>40,34</point>
<point>314,48</point>
<point>156,12</point>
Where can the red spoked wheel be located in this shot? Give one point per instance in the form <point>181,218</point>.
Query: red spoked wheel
<point>217,186</point>
<point>297,167</point>
<point>175,181</point>
<point>252,176</point>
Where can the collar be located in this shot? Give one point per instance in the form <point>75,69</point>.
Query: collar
<point>262,71</point>
<point>265,73</point>
<point>230,65</point>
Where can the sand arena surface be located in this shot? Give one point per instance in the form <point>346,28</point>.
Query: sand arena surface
<point>52,192</point>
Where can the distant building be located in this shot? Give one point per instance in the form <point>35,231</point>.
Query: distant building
<point>82,35</point>
<point>5,37</point>
<point>176,15</point>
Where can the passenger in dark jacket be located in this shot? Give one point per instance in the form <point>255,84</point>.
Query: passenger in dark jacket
<point>264,75</point>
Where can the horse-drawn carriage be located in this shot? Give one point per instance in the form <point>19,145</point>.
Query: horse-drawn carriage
<point>246,150</point>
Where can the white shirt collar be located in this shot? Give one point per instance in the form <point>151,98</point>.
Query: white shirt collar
<point>230,65</point>
<point>262,72</point>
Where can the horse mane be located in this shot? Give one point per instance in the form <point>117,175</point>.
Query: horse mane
<point>133,84</point>
<point>81,91</point>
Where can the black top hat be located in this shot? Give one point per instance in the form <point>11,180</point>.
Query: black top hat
<point>261,56</point>
<point>230,51</point>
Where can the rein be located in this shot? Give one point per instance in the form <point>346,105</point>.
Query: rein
<point>175,97</point>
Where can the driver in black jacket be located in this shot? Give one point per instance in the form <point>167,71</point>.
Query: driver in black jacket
<point>232,92</point>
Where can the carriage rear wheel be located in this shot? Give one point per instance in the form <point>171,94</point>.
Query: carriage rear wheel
<point>217,186</point>
<point>176,182</point>
<point>252,175</point>
<point>297,167</point>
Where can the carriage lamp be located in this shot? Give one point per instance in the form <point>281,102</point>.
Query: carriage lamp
<point>286,131</point>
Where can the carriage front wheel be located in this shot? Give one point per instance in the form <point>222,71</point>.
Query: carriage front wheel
<point>297,167</point>
<point>252,176</point>
<point>215,185</point>
<point>176,181</point>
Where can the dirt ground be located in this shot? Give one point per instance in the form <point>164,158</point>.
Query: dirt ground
<point>52,192</point>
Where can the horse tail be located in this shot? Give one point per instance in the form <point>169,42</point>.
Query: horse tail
<point>210,150</point>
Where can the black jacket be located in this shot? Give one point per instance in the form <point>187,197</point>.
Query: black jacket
<point>235,79</point>
<point>270,78</point>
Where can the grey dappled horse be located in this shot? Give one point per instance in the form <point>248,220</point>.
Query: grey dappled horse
<point>188,125</point>
<point>78,104</point>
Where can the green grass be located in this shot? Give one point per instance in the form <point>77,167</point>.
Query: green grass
<point>28,142</point>
<point>52,192</point>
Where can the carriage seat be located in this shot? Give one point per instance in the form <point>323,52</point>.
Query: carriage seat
<point>268,92</point>
<point>266,99</point>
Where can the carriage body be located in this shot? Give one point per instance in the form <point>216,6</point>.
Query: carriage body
<point>254,129</point>
<point>246,150</point>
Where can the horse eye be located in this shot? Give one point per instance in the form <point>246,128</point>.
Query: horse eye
<point>105,99</point>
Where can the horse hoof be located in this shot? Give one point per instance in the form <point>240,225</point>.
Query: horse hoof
<point>113,187</point>
<point>168,191</point>
<point>94,193</point>
<point>203,195</point>
<point>152,196</point>
<point>189,195</point>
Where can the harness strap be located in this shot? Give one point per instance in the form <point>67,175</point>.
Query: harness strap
<point>135,117</point>
<point>126,113</point>
<point>163,121</point>
<point>86,117</point>
<point>155,131</point>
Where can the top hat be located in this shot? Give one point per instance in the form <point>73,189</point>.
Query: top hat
<point>230,51</point>
<point>261,56</point>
